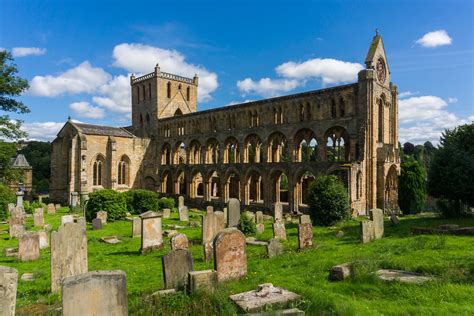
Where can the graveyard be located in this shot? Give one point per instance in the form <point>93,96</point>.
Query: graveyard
<point>447,261</point>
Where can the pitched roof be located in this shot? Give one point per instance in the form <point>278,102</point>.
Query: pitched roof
<point>90,129</point>
<point>373,48</point>
<point>20,162</point>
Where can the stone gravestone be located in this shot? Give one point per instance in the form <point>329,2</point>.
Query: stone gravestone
<point>366,231</point>
<point>208,232</point>
<point>205,280</point>
<point>136,227</point>
<point>376,215</point>
<point>394,219</point>
<point>180,202</point>
<point>166,213</point>
<point>220,221</point>
<point>19,198</point>
<point>259,217</point>
<point>176,266</point>
<point>230,257</point>
<point>179,241</point>
<point>102,215</point>
<point>96,224</point>
<point>152,232</point>
<point>305,219</point>
<point>8,285</point>
<point>274,248</point>
<point>67,219</point>
<point>183,214</point>
<point>260,228</point>
<point>279,231</point>
<point>233,209</point>
<point>43,239</point>
<point>226,214</point>
<point>305,235</point>
<point>38,218</point>
<point>95,293</point>
<point>16,227</point>
<point>28,247</point>
<point>278,211</point>
<point>51,209</point>
<point>57,206</point>
<point>18,216</point>
<point>68,252</point>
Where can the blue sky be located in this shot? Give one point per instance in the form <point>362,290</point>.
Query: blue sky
<point>77,55</point>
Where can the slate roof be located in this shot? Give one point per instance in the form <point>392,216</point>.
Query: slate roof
<point>90,129</point>
<point>20,162</point>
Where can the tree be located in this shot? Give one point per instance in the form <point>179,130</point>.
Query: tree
<point>408,148</point>
<point>412,187</point>
<point>11,86</point>
<point>7,173</point>
<point>38,155</point>
<point>328,200</point>
<point>451,176</point>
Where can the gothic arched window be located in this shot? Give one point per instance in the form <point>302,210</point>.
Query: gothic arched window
<point>97,170</point>
<point>123,171</point>
<point>168,89</point>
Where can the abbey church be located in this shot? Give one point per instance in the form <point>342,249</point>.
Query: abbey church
<point>260,152</point>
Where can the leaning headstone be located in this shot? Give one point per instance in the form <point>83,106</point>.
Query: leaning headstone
<point>176,266</point>
<point>183,214</point>
<point>166,213</point>
<point>366,231</point>
<point>279,231</point>
<point>376,215</point>
<point>233,215</point>
<point>278,211</point>
<point>220,221</point>
<point>230,256</point>
<point>179,241</point>
<point>136,227</point>
<point>152,233</point>
<point>96,224</point>
<point>28,247</point>
<point>274,248</point>
<point>340,272</point>
<point>260,228</point>
<point>51,209</point>
<point>102,215</point>
<point>305,235</point>
<point>16,230</point>
<point>180,202</point>
<point>95,293</point>
<point>205,280</point>
<point>8,285</point>
<point>305,219</point>
<point>43,239</point>
<point>38,218</point>
<point>68,253</point>
<point>259,217</point>
<point>19,198</point>
<point>67,219</point>
<point>394,219</point>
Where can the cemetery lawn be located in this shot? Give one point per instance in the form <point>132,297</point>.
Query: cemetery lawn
<point>450,259</point>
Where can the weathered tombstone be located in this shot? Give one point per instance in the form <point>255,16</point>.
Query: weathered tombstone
<point>176,266</point>
<point>305,235</point>
<point>230,257</point>
<point>274,248</point>
<point>102,215</point>
<point>74,199</point>
<point>180,202</point>
<point>136,227</point>
<point>95,293</point>
<point>233,216</point>
<point>38,218</point>
<point>57,206</point>
<point>28,247</point>
<point>51,209</point>
<point>43,239</point>
<point>17,217</point>
<point>209,209</point>
<point>220,221</point>
<point>183,214</point>
<point>67,219</point>
<point>11,207</point>
<point>16,230</point>
<point>260,228</point>
<point>179,241</point>
<point>376,215</point>
<point>19,198</point>
<point>166,213</point>
<point>226,214</point>
<point>68,252</point>
<point>305,219</point>
<point>278,211</point>
<point>259,217</point>
<point>208,232</point>
<point>366,231</point>
<point>205,280</point>
<point>96,224</point>
<point>152,233</point>
<point>8,285</point>
<point>394,219</point>
<point>340,272</point>
<point>279,231</point>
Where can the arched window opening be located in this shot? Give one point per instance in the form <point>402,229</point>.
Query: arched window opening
<point>166,183</point>
<point>337,146</point>
<point>254,188</point>
<point>188,93</point>
<point>380,109</point>
<point>138,94</point>
<point>342,108</point>
<point>308,150</point>
<point>179,87</point>
<point>149,91</point>
<point>178,112</point>
<point>181,187</point>
<point>168,89</point>
<point>253,149</point>
<point>280,187</point>
<point>231,154</point>
<point>195,152</point>
<point>212,152</point>
<point>277,148</point>
<point>123,171</point>
<point>233,186</point>
<point>333,109</point>
<point>301,112</point>
<point>147,119</point>
<point>214,183</point>
<point>198,186</point>
<point>166,154</point>
<point>97,177</point>
<point>303,188</point>
<point>144,92</point>
<point>180,153</point>
<point>141,120</point>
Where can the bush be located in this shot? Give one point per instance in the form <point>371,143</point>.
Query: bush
<point>140,201</point>
<point>166,203</point>
<point>412,188</point>
<point>6,196</point>
<point>108,200</point>
<point>27,207</point>
<point>452,208</point>
<point>328,201</point>
<point>247,225</point>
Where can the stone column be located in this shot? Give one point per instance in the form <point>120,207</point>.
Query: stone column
<point>19,198</point>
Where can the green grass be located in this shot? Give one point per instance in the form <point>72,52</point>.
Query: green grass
<point>449,258</point>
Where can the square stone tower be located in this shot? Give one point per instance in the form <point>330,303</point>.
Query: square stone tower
<point>159,95</point>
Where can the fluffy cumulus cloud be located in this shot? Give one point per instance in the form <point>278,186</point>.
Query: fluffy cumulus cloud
<point>84,109</point>
<point>42,131</point>
<point>81,79</point>
<point>267,87</point>
<point>115,96</point>
<point>435,39</point>
<point>28,51</point>
<point>140,58</point>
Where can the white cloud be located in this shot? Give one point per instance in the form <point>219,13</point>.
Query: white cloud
<point>435,39</point>
<point>470,118</point>
<point>406,94</point>
<point>452,100</point>
<point>141,58</point>
<point>420,108</point>
<point>239,102</point>
<point>116,95</point>
<point>328,70</point>
<point>84,109</point>
<point>28,51</point>
<point>83,78</point>
<point>267,87</point>
<point>42,131</point>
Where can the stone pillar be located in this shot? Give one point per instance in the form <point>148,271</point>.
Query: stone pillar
<point>19,198</point>
<point>74,199</point>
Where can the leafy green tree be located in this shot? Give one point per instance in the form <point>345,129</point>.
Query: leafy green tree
<point>328,200</point>
<point>6,196</point>
<point>451,176</point>
<point>412,187</point>
<point>408,148</point>
<point>38,155</point>
<point>7,152</point>
<point>11,86</point>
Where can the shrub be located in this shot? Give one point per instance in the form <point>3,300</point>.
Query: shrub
<point>166,203</point>
<point>328,200</point>
<point>30,207</point>
<point>452,208</point>
<point>247,225</point>
<point>139,201</point>
<point>6,196</point>
<point>108,200</point>
<point>412,188</point>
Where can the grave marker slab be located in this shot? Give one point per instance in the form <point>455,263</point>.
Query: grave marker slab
<point>8,286</point>
<point>205,280</point>
<point>96,224</point>
<point>136,227</point>
<point>166,213</point>
<point>67,219</point>
<point>230,257</point>
<point>28,247</point>
<point>38,218</point>
<point>279,231</point>
<point>274,248</point>
<point>260,228</point>
<point>305,235</point>
<point>233,209</point>
<point>16,230</point>
<point>305,219</point>
<point>376,215</point>
<point>176,266</point>
<point>152,233</point>
<point>57,206</point>
<point>366,231</point>
<point>102,215</point>
<point>220,221</point>
<point>183,214</point>
<point>43,239</point>
<point>179,241</point>
<point>278,211</point>
<point>259,217</point>
<point>51,209</point>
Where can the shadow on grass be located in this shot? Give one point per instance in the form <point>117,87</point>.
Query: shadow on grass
<point>126,253</point>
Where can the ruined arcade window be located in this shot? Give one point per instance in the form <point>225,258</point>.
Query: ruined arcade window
<point>333,109</point>
<point>97,172</point>
<point>149,91</point>
<point>188,93</point>
<point>342,108</point>
<point>168,89</point>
